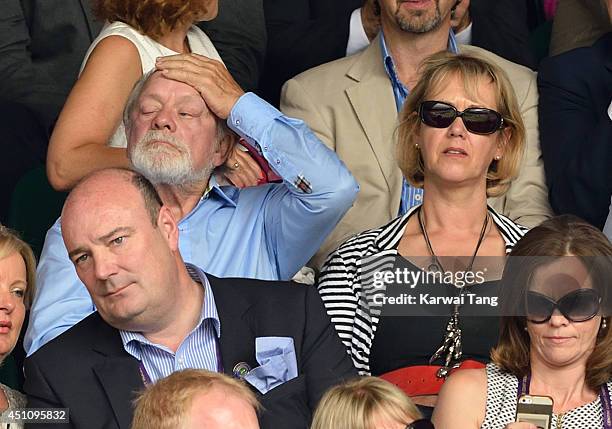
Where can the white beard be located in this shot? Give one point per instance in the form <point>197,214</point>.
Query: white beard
<point>167,163</point>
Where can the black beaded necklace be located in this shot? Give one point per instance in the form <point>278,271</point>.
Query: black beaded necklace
<point>451,347</point>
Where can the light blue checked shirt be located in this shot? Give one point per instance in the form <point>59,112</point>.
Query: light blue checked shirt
<point>198,350</point>
<point>266,232</point>
<point>411,196</point>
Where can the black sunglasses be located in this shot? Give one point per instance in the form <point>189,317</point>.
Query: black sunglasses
<point>421,424</point>
<point>577,306</point>
<point>477,120</point>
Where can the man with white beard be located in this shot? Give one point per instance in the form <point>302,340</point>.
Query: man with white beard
<point>176,137</point>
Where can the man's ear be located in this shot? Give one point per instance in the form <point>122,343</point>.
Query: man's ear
<point>224,148</point>
<point>168,227</point>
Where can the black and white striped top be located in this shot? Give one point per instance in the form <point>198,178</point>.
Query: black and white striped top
<point>348,305</point>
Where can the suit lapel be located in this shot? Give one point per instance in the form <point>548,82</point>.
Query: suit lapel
<point>374,104</point>
<point>237,329</point>
<point>118,373</point>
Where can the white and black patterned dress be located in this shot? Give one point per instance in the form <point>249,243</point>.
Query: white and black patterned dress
<point>502,394</point>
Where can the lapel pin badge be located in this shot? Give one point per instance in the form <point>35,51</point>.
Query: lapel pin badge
<point>241,369</point>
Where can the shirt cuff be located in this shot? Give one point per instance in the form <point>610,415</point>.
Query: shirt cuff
<point>358,39</point>
<point>464,37</point>
<point>251,115</point>
<point>251,118</point>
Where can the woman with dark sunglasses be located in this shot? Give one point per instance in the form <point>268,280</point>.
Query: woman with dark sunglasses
<point>461,139</point>
<point>554,340</point>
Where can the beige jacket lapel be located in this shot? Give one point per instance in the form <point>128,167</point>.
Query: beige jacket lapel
<point>374,104</point>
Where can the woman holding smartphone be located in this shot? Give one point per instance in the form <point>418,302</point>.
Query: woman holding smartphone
<point>555,338</point>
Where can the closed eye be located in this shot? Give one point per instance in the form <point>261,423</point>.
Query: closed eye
<point>188,114</point>
<point>147,110</point>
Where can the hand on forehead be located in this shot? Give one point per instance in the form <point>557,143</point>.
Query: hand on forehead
<point>161,87</point>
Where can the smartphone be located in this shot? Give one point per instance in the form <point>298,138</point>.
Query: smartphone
<point>535,409</point>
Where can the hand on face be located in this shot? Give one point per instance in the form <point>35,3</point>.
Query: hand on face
<point>172,138</point>
<point>209,77</point>
<point>241,169</point>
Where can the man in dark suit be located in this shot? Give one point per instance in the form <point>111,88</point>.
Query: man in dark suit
<point>499,27</point>
<point>157,314</point>
<point>576,130</point>
<point>42,44</point>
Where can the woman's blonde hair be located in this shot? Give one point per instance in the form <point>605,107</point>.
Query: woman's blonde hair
<point>11,243</point>
<point>356,403</point>
<point>166,404</point>
<point>436,71</point>
<point>153,18</point>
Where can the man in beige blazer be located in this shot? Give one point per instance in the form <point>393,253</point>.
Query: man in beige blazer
<point>350,105</point>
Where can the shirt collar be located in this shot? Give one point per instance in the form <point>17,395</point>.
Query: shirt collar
<point>131,339</point>
<point>226,195</point>
<point>390,65</point>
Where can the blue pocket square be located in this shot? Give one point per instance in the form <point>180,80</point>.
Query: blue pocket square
<point>277,360</point>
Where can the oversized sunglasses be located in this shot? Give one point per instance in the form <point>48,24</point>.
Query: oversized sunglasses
<point>421,424</point>
<point>577,306</point>
<point>477,120</point>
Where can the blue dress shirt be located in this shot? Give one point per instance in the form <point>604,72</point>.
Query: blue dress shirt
<point>198,350</point>
<point>267,232</point>
<point>411,196</point>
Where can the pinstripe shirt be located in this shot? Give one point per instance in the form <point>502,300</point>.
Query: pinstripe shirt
<point>198,350</point>
<point>411,196</point>
<point>348,303</point>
